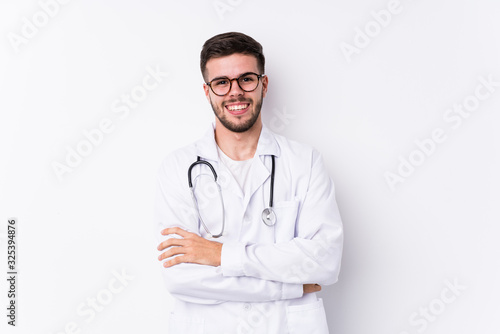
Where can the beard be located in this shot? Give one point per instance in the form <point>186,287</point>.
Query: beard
<point>219,112</point>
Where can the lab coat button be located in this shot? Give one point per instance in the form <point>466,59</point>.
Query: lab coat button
<point>247,307</point>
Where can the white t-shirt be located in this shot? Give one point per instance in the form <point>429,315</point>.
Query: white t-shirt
<point>239,169</point>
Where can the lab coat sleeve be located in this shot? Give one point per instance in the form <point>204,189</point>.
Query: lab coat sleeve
<point>312,256</point>
<point>200,283</point>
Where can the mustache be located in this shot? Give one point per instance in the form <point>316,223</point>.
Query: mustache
<point>240,99</point>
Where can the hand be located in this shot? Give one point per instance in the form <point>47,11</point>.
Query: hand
<point>309,288</point>
<point>194,249</point>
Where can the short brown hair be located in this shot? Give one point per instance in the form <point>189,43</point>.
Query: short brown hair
<point>227,44</point>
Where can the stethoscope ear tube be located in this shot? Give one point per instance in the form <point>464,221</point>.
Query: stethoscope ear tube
<point>271,191</point>
<point>268,215</point>
<point>197,163</point>
<point>195,201</point>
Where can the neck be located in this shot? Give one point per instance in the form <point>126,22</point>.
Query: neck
<point>238,146</point>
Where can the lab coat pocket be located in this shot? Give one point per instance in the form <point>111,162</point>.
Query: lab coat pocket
<point>181,324</point>
<point>286,217</point>
<point>307,318</point>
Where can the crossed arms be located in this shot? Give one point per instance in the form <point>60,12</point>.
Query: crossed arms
<point>208,272</point>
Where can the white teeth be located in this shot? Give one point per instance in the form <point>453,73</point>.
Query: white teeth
<point>237,107</point>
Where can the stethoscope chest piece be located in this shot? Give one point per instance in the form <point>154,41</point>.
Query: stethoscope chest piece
<point>268,216</point>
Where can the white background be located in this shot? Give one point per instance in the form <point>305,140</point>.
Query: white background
<point>362,112</point>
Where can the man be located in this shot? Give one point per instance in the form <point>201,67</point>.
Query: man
<point>232,264</point>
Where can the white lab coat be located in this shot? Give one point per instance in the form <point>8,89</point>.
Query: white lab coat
<point>259,286</point>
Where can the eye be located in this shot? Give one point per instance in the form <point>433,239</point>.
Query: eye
<point>247,78</point>
<point>220,82</point>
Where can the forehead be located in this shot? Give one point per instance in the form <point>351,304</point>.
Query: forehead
<point>231,66</point>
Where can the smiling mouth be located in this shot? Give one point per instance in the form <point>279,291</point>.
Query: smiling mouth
<point>237,109</point>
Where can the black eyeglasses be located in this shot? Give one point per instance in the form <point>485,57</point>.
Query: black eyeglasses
<point>248,82</point>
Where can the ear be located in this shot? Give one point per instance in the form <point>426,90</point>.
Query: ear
<point>265,82</point>
<point>207,91</point>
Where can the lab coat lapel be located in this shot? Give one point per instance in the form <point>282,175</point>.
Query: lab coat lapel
<point>206,148</point>
<point>232,185</point>
<point>260,170</point>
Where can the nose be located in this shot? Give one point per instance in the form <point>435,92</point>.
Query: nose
<point>235,88</point>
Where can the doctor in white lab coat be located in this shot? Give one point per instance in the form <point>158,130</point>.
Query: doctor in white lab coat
<point>255,278</point>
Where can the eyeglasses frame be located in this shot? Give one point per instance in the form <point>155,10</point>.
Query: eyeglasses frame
<point>209,84</point>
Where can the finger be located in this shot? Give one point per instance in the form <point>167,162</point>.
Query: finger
<point>170,242</point>
<point>176,260</point>
<point>171,252</point>
<point>176,230</point>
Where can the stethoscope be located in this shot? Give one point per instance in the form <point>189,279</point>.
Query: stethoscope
<point>268,215</point>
